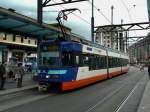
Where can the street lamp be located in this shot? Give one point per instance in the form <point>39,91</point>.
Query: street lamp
<point>112,14</point>
<point>92,22</point>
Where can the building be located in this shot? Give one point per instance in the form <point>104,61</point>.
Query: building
<point>19,34</point>
<point>115,39</point>
<point>140,51</point>
<point>16,46</point>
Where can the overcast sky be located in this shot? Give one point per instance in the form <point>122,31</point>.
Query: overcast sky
<point>131,11</point>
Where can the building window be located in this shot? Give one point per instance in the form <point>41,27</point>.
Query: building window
<point>35,42</point>
<point>14,38</point>
<point>4,36</point>
<point>29,41</point>
<point>22,39</point>
<point>108,41</point>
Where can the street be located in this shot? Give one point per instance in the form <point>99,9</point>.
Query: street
<point>119,94</point>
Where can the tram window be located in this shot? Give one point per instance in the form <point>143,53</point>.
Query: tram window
<point>117,61</point>
<point>77,60</point>
<point>71,59</point>
<point>109,62</point>
<point>85,60</point>
<point>90,63</point>
<point>66,59</point>
<point>97,62</point>
<point>50,59</point>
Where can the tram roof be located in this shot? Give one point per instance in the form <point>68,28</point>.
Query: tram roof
<point>15,23</point>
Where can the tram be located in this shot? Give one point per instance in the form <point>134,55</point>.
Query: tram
<point>68,65</point>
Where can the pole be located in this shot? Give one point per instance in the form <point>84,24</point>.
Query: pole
<point>92,22</point>
<point>39,11</point>
<point>112,14</point>
<point>112,39</point>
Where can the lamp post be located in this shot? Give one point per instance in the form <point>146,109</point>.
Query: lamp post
<point>112,14</point>
<point>112,33</point>
<point>92,22</point>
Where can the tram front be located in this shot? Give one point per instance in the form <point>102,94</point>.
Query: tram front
<point>55,66</point>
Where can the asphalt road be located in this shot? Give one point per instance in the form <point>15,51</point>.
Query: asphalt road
<point>119,94</point>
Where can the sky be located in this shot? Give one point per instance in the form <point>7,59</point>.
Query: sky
<point>130,11</point>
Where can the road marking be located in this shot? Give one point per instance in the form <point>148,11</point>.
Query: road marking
<point>12,104</point>
<point>105,98</point>
<point>126,99</point>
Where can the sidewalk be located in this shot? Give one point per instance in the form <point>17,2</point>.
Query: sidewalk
<point>145,102</point>
<point>11,86</point>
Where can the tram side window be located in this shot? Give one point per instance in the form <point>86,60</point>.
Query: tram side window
<point>103,62</point>
<point>67,59</point>
<point>94,62</point>
<point>124,62</point>
<point>113,62</point>
<point>71,59</point>
<point>97,62</point>
<point>91,63</point>
<point>118,63</point>
<point>85,60</point>
<point>110,63</point>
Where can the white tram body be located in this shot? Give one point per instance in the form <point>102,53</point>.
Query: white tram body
<point>79,64</point>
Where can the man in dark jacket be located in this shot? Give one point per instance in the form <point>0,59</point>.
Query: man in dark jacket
<point>2,76</point>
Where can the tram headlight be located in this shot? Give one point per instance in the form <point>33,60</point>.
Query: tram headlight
<point>47,76</point>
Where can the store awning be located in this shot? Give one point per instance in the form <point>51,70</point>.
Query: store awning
<point>15,23</point>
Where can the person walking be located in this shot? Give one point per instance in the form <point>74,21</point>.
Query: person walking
<point>149,70</point>
<point>2,76</point>
<point>19,75</point>
<point>141,67</point>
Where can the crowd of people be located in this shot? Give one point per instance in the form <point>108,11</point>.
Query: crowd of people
<point>19,73</point>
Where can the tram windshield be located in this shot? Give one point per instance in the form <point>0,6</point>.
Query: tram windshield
<point>50,56</point>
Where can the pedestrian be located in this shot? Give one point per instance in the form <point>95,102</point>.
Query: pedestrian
<point>141,67</point>
<point>19,75</point>
<point>149,70</point>
<point>2,76</point>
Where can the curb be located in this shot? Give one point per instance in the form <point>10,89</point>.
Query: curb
<point>14,90</point>
<point>144,104</point>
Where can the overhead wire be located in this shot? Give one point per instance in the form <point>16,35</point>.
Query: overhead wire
<point>127,10</point>
<point>128,14</point>
<point>100,12</point>
<point>75,14</point>
<point>85,19</point>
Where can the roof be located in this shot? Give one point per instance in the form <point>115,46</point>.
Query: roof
<point>15,23</point>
